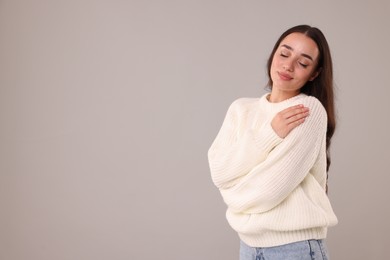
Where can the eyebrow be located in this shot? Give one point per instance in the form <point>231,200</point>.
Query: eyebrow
<point>302,54</point>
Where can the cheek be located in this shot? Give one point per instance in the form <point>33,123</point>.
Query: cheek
<point>273,70</point>
<point>305,76</point>
<point>275,63</point>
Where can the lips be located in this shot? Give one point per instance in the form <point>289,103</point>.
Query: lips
<point>285,76</point>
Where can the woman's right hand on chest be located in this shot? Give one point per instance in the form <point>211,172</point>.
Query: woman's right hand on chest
<point>289,118</point>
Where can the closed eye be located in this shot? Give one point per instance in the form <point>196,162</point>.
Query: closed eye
<point>283,55</point>
<point>303,65</point>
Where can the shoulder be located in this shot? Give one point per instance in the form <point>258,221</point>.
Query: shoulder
<point>243,104</point>
<point>317,114</point>
<point>314,105</point>
<point>245,101</point>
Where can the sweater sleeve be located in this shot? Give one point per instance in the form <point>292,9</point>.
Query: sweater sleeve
<point>236,149</point>
<point>272,180</point>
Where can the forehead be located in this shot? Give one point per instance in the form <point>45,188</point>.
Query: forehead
<point>301,44</point>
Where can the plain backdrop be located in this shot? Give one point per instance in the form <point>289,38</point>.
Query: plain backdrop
<point>108,108</point>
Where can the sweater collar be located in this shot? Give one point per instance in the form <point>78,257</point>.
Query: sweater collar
<point>270,105</point>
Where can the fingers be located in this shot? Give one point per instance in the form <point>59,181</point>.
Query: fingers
<point>295,114</point>
<point>295,123</point>
<point>289,118</point>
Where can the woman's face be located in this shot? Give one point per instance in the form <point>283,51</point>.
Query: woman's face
<point>294,63</point>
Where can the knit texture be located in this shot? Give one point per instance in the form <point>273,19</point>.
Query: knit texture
<point>274,188</point>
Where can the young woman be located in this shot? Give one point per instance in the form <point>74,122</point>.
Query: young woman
<point>271,156</point>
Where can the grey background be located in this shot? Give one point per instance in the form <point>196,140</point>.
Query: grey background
<point>108,108</point>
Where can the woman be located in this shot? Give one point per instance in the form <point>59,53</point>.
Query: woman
<point>271,156</point>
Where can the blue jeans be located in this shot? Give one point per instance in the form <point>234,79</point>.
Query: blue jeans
<point>302,250</point>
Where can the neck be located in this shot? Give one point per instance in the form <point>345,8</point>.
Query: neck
<point>278,96</point>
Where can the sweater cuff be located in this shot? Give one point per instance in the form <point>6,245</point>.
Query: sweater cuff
<point>267,139</point>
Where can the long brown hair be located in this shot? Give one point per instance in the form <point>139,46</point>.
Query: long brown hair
<point>322,86</point>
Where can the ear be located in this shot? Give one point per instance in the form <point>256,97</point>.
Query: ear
<point>315,74</point>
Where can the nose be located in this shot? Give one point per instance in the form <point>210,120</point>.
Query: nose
<point>288,65</point>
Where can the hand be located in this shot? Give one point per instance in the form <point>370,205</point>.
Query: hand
<point>289,118</point>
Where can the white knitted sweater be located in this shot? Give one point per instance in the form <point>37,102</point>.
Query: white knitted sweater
<point>274,188</point>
